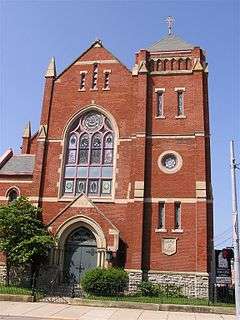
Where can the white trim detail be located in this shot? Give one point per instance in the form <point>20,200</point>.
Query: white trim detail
<point>163,136</point>
<point>181,272</point>
<point>182,116</point>
<point>177,230</point>
<point>160,230</point>
<point>107,71</point>
<point>95,61</point>
<point>159,89</point>
<point>170,200</point>
<point>180,89</point>
<point>15,181</point>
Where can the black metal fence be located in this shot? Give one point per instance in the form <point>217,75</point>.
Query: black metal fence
<point>58,288</point>
<point>224,294</point>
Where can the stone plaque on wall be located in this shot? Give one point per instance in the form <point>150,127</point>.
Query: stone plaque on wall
<point>169,246</point>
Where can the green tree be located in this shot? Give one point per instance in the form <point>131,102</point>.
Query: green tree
<point>24,238</point>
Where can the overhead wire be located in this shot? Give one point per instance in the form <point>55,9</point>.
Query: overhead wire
<point>223,241</point>
<point>228,230</point>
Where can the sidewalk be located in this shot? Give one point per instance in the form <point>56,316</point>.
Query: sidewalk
<point>42,310</point>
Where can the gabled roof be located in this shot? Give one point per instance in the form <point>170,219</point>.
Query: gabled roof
<point>96,44</point>
<point>170,43</point>
<point>19,165</point>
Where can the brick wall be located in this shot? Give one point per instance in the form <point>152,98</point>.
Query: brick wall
<point>131,101</point>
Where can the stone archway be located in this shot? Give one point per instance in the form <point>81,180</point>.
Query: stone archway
<point>81,227</point>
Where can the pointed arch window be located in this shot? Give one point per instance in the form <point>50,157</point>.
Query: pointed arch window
<point>12,195</point>
<point>90,151</point>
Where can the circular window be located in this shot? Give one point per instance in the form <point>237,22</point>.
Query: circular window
<point>170,161</point>
<point>92,121</point>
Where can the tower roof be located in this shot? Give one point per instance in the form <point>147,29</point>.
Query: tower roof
<point>170,43</point>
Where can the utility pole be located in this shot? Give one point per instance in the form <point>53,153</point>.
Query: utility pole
<point>235,230</point>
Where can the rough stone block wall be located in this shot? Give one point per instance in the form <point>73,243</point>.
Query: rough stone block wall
<point>2,273</point>
<point>192,285</point>
<point>135,278</point>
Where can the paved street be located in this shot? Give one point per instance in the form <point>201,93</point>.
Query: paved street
<point>45,311</point>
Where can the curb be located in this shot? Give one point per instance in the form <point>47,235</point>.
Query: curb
<point>129,305</point>
<point>152,306</point>
<point>16,297</point>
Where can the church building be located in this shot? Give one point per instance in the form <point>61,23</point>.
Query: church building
<point>120,165</point>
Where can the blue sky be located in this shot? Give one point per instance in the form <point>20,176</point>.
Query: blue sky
<point>31,32</point>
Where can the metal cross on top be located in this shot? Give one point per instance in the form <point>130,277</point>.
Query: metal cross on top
<point>170,20</point>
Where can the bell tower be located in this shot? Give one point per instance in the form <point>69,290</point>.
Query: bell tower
<point>178,198</point>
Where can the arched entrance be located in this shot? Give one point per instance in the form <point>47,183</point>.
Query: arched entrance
<point>80,253</point>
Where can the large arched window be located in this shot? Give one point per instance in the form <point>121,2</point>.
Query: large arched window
<point>89,156</point>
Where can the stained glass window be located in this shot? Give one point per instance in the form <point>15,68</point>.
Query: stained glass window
<point>159,104</point>
<point>89,158</point>
<point>180,103</point>
<point>177,214</point>
<point>161,215</point>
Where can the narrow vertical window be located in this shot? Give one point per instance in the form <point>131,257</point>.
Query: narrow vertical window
<point>106,80</point>
<point>95,76</point>
<point>177,215</point>
<point>161,215</point>
<point>159,104</point>
<point>82,81</point>
<point>180,110</point>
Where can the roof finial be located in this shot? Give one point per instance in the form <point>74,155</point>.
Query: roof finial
<point>27,130</point>
<point>51,71</point>
<point>170,20</point>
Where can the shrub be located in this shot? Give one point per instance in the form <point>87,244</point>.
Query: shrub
<point>149,289</point>
<point>171,290</point>
<point>105,282</point>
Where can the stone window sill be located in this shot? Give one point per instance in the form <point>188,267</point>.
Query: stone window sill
<point>160,230</point>
<point>105,89</point>
<point>93,199</point>
<point>181,117</point>
<point>177,230</point>
<point>81,89</point>
<point>160,117</point>
<point>93,89</point>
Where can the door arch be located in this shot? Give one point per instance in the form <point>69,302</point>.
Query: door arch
<point>80,253</point>
<point>68,227</point>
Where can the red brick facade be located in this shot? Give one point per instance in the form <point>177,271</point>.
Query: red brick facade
<point>129,218</point>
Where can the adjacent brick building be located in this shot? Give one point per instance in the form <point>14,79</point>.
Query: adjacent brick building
<point>120,164</point>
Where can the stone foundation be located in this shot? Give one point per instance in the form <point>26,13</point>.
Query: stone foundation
<point>192,284</point>
<point>135,277</point>
<point>3,271</point>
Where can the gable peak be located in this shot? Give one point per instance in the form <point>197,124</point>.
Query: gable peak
<point>97,43</point>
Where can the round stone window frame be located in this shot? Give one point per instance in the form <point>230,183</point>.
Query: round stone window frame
<point>178,165</point>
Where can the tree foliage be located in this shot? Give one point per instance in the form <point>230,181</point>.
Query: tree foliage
<point>23,237</point>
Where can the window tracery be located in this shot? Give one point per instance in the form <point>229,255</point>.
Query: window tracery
<point>89,161</point>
